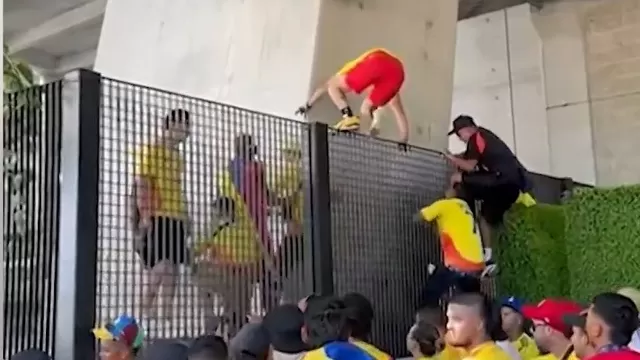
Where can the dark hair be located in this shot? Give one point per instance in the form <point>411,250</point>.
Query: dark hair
<point>481,303</point>
<point>177,116</point>
<point>432,315</point>
<point>496,332</point>
<point>619,313</point>
<point>428,338</point>
<point>326,321</point>
<point>360,315</point>
<point>213,346</point>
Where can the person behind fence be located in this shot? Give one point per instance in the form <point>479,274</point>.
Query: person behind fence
<point>120,339</point>
<point>226,262</point>
<point>490,172</point>
<point>549,329</point>
<point>515,326</point>
<point>469,323</point>
<point>461,247</point>
<point>609,324</point>
<point>376,68</point>
<point>160,218</point>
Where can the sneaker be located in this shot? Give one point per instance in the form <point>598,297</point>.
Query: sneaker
<point>348,124</point>
<point>431,269</point>
<point>490,269</point>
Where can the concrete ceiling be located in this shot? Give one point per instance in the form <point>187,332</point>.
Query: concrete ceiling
<point>56,36</point>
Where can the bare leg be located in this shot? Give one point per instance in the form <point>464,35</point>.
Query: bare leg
<point>149,302</point>
<point>366,113</point>
<point>401,118</point>
<point>168,275</point>
<point>337,88</point>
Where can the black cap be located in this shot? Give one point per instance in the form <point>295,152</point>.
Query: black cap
<point>461,122</point>
<point>284,325</point>
<point>251,342</point>
<point>576,320</point>
<point>164,350</point>
<point>31,354</point>
<point>209,344</point>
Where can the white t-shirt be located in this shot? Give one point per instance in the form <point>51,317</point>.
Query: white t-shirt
<point>635,341</point>
<point>511,350</point>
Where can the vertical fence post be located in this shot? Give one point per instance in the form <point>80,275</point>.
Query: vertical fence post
<point>76,271</point>
<point>322,259</point>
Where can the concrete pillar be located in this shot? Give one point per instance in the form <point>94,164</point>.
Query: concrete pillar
<point>268,55</point>
<point>568,116</point>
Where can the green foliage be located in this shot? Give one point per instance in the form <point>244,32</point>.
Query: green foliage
<point>603,240</point>
<point>531,252</point>
<point>18,75</point>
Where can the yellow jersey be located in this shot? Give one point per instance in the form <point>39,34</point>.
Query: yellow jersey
<point>487,351</point>
<point>163,167</point>
<point>526,347</point>
<point>572,356</point>
<point>526,199</point>
<point>233,244</point>
<point>449,353</point>
<point>353,63</point>
<point>289,186</point>
<point>373,351</point>
<point>459,235</point>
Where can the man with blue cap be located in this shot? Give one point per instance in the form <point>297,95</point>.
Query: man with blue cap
<point>515,324</point>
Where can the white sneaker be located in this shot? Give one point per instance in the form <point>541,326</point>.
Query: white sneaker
<point>490,269</point>
<point>431,268</point>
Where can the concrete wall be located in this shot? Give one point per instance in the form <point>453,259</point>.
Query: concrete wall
<point>561,85</point>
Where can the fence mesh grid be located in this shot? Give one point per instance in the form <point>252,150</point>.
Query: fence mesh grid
<point>31,143</point>
<point>228,199</point>
<point>377,248</point>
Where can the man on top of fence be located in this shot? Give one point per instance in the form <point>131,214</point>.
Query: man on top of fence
<point>376,68</point>
<point>488,171</point>
<point>160,216</point>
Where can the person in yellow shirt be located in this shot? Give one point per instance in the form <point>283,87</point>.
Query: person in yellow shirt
<point>549,329</point>
<point>468,326</point>
<point>514,324</point>
<point>161,222</point>
<point>377,69</point>
<point>360,320</point>
<point>226,260</point>
<point>461,246</point>
<point>435,317</point>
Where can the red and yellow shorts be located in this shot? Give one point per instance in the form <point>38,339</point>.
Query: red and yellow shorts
<point>381,70</point>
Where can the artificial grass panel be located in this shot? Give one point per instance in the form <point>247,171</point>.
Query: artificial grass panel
<point>603,240</point>
<point>531,253</point>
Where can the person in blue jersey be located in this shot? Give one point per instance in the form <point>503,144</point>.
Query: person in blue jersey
<point>326,326</point>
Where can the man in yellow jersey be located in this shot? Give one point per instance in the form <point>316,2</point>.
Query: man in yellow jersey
<point>226,263</point>
<point>461,247</point>
<point>360,320</point>
<point>162,222</point>
<point>549,330</point>
<point>435,316</point>
<point>468,325</point>
<point>376,68</point>
<point>514,324</point>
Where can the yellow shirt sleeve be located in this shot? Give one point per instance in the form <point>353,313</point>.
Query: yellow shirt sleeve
<point>146,162</point>
<point>432,211</point>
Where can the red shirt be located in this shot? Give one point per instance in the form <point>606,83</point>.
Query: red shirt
<point>623,354</point>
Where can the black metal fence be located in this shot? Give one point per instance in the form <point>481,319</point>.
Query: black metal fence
<point>31,204</point>
<point>256,209</point>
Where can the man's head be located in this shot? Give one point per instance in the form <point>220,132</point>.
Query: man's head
<point>177,125</point>
<point>325,320</point>
<point>468,320</point>
<point>611,319</point>
<point>360,312</point>
<point>425,340</point>
<point>208,347</point>
<point>579,339</point>
<point>292,153</point>
<point>245,146</point>
<point>284,327</point>
<point>224,209</point>
<point>164,350</point>
<point>547,316</point>
<point>464,127</point>
<point>511,314</point>
<point>250,343</point>
<point>120,339</point>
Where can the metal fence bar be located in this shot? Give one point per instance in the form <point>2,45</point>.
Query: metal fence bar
<point>320,199</point>
<point>79,216</point>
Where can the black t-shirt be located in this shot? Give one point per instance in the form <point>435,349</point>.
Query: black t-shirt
<point>493,154</point>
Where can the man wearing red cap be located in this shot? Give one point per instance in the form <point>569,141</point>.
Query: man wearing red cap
<point>549,330</point>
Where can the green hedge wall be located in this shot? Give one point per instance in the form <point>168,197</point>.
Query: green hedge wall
<point>603,240</point>
<point>532,254</point>
<point>588,245</point>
